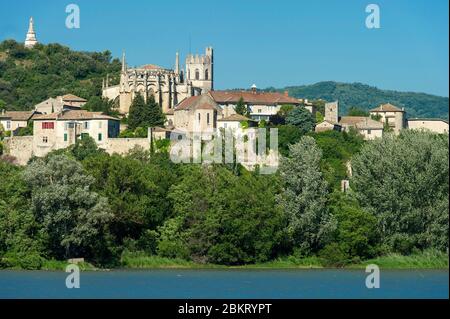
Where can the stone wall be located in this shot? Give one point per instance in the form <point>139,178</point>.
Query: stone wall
<point>21,147</point>
<point>434,125</point>
<point>24,147</point>
<point>124,145</point>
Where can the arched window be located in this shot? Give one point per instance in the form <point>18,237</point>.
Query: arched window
<point>206,74</point>
<point>197,74</point>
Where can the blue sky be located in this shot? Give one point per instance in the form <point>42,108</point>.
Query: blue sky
<point>270,43</point>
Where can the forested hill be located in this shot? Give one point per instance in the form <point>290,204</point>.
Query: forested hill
<point>29,76</point>
<point>367,97</point>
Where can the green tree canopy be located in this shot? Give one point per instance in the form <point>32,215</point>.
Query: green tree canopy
<point>71,215</point>
<point>241,108</point>
<point>31,75</point>
<point>19,235</point>
<point>223,218</point>
<point>136,186</point>
<point>301,118</point>
<point>155,115</point>
<point>98,104</point>
<point>403,180</point>
<point>304,197</point>
<point>357,111</point>
<point>138,112</point>
<point>143,114</point>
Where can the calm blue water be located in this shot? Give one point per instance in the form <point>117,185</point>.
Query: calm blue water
<point>226,284</point>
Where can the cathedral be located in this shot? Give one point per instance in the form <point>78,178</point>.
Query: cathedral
<point>168,86</point>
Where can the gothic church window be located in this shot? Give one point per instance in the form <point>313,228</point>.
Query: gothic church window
<point>206,74</point>
<point>197,74</point>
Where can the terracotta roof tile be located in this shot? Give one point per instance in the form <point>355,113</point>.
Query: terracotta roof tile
<point>150,67</point>
<point>75,115</point>
<point>72,97</point>
<point>361,122</point>
<point>17,115</point>
<point>386,108</point>
<point>201,102</point>
<point>234,118</point>
<point>268,98</point>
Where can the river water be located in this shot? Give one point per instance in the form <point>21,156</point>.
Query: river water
<point>181,283</point>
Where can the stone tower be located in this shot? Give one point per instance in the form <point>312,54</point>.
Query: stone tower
<point>199,71</point>
<point>30,40</point>
<point>332,112</point>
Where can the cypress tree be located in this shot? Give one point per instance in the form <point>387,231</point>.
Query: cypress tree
<point>137,112</point>
<point>241,108</point>
<point>154,116</point>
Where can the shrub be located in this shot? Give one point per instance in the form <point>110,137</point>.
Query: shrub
<point>333,255</point>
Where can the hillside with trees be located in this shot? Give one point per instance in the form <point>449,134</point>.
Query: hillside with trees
<point>29,76</point>
<point>366,97</point>
<point>141,208</point>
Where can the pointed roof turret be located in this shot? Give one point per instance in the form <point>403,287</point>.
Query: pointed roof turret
<point>124,64</point>
<point>177,63</point>
<point>30,40</point>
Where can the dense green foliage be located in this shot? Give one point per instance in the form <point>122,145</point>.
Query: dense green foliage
<point>367,97</point>
<point>301,118</point>
<point>29,76</point>
<point>240,108</point>
<point>141,209</point>
<point>144,114</point>
<point>103,105</point>
<point>239,225</point>
<point>71,215</point>
<point>403,180</point>
<point>304,197</point>
<point>356,111</point>
<point>337,149</point>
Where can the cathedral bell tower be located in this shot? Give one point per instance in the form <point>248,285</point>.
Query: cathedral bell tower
<point>199,71</point>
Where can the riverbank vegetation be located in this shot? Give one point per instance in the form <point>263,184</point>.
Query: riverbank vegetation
<point>143,211</point>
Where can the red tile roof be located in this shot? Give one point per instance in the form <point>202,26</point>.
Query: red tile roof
<point>74,115</point>
<point>150,67</point>
<point>265,98</point>
<point>17,115</point>
<point>386,108</point>
<point>202,102</point>
<point>235,118</point>
<point>361,122</point>
<point>72,97</point>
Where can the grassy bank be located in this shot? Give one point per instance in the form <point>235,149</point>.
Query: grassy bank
<point>136,261</point>
<point>423,260</point>
<point>61,265</point>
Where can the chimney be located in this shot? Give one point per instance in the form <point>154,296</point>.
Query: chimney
<point>286,93</point>
<point>253,88</point>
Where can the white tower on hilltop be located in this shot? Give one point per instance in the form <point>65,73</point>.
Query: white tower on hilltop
<point>30,40</point>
